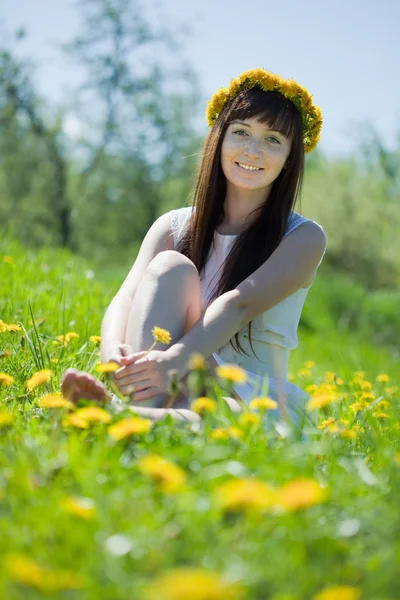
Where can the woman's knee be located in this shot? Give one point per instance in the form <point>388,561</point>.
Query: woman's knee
<point>177,272</point>
<point>169,261</point>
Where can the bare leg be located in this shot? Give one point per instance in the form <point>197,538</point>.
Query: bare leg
<point>169,296</point>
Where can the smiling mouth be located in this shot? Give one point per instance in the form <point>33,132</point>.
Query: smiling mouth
<point>248,168</point>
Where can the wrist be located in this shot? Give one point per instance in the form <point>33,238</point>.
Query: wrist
<point>176,360</point>
<point>108,351</point>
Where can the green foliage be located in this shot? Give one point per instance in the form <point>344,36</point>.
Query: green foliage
<point>123,531</point>
<point>369,315</point>
<point>361,219</point>
<point>100,191</point>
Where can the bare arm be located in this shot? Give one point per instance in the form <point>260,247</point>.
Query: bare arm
<point>288,269</point>
<point>113,328</point>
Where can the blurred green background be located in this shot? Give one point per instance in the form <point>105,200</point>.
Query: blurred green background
<point>95,194</point>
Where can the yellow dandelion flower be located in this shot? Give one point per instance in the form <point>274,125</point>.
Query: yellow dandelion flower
<point>65,339</point>
<point>219,433</point>
<point>74,421</point>
<point>6,380</point>
<point>263,403</point>
<point>383,404</point>
<point>203,405</point>
<point>161,336</point>
<point>350,433</point>
<point>390,390</point>
<point>380,414</point>
<point>366,385</point>
<point>332,428</point>
<point>321,399</point>
<point>327,387</point>
<point>290,88</point>
<point>54,360</point>
<point>345,422</point>
<point>248,419</point>
<point>93,414</point>
<point>71,335</point>
<point>367,396</point>
<point>309,364</point>
<point>225,433</point>
<point>339,381</point>
<point>23,569</point>
<point>6,418</point>
<point>383,378</point>
<point>95,339</point>
<point>197,362</point>
<point>54,401</point>
<point>3,326</point>
<point>13,327</point>
<point>358,406</point>
<point>244,494</point>
<point>311,388</point>
<point>83,508</point>
<point>338,592</point>
<point>167,475</point>
<point>108,367</point>
<point>196,584</point>
<point>358,428</point>
<point>232,373</point>
<point>39,378</point>
<point>326,422</point>
<point>303,373</point>
<point>301,493</point>
<point>7,259</point>
<point>330,376</point>
<point>360,374</point>
<point>127,427</point>
<point>234,432</point>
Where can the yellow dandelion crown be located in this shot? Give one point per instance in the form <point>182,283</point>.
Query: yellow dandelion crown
<point>301,98</point>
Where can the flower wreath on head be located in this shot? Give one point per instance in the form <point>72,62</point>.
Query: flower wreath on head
<point>268,82</point>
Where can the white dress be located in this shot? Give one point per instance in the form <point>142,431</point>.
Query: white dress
<point>273,333</point>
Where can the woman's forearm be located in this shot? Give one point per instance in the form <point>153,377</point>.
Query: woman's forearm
<point>222,319</point>
<point>113,327</point>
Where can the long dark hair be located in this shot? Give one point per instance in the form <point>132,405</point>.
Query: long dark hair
<point>266,231</point>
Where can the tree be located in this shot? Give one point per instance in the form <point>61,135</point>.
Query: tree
<point>21,106</point>
<point>106,186</point>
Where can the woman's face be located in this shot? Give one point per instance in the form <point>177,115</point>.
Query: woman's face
<point>250,143</point>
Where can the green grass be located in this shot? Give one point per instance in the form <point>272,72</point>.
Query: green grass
<point>132,531</point>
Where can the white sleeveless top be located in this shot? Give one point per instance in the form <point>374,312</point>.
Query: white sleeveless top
<point>273,333</point>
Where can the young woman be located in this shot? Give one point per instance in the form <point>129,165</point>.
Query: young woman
<point>228,276</point>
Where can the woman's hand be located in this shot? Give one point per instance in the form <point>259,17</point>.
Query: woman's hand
<point>142,376</point>
<point>118,351</point>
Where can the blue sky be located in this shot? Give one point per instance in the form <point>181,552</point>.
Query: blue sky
<point>345,52</point>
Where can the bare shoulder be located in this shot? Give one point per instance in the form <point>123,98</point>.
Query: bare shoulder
<point>158,238</point>
<point>309,233</point>
<point>290,267</point>
<point>160,233</point>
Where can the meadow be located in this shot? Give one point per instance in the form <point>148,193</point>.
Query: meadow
<point>96,504</point>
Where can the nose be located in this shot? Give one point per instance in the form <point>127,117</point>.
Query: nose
<point>252,148</point>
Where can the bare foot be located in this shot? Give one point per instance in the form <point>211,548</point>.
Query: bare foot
<point>78,384</point>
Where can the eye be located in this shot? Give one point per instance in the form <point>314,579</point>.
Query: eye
<point>239,131</point>
<point>274,139</point>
